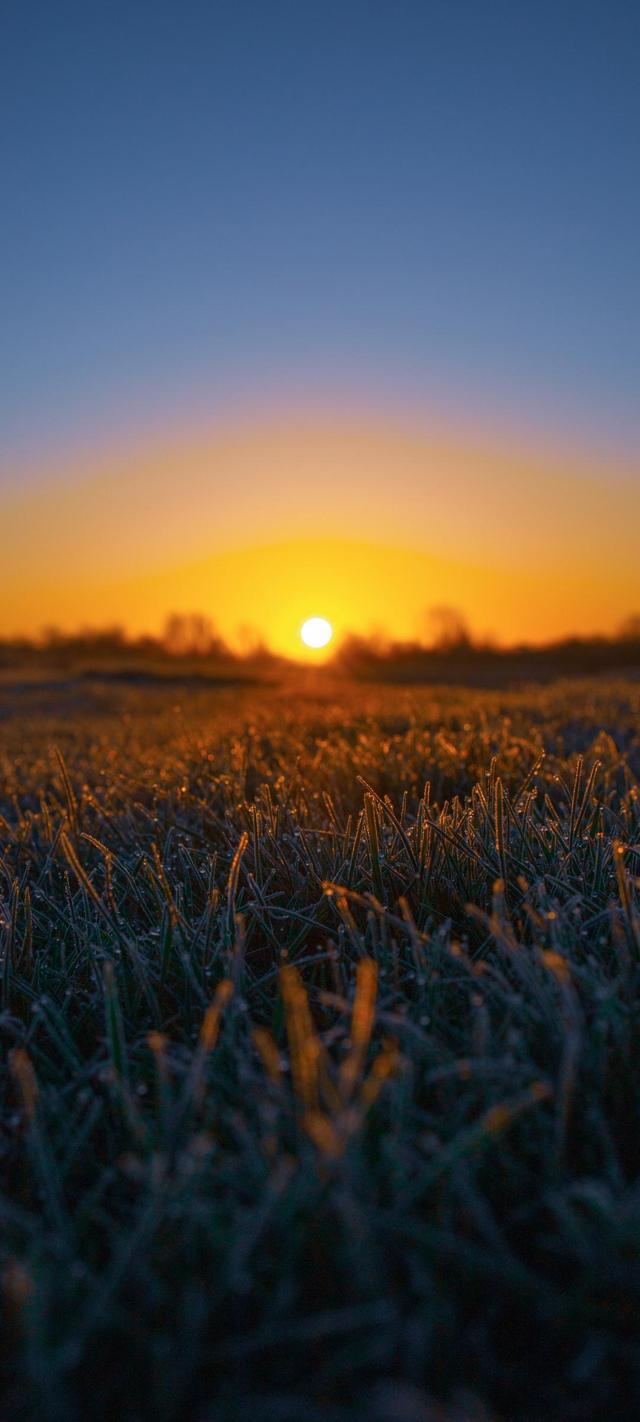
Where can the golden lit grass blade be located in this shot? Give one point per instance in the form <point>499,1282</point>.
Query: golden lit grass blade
<point>385,1066</point>
<point>325,1134</point>
<point>529,778</point>
<point>500,830</point>
<point>174,916</point>
<point>157,1043</point>
<point>416,938</point>
<point>211,1020</point>
<point>586,798</point>
<point>575,797</point>
<point>268,1051</point>
<point>460,844</point>
<point>354,850</point>
<point>256,826</point>
<point>126,942</point>
<point>362,1021</point>
<point>21,1068</point>
<point>304,1045</point>
<point>631,922</point>
<point>557,966</point>
<point>207,1038</point>
<point>42,1157</point>
<point>69,794</point>
<point>232,883</point>
<point>373,837</point>
<point>341,897</point>
<point>387,808</point>
<point>498,1118</point>
<point>80,872</point>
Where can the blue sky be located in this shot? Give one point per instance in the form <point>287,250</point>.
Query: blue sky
<point>416,206</point>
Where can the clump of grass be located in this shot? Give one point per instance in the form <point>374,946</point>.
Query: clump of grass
<point>321,1089</point>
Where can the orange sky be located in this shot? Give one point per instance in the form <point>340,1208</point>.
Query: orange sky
<point>367,525</point>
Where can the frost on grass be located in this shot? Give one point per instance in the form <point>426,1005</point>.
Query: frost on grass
<point>320,1085</point>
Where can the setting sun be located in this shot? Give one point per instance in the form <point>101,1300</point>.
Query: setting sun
<point>316,632</point>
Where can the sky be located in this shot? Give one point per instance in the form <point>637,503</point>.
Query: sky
<point>359,273</point>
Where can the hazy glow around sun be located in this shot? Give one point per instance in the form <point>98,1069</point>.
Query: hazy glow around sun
<point>316,632</point>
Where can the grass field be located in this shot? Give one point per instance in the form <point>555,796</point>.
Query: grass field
<point>320,1089</point>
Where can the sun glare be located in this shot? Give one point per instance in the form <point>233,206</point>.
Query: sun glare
<point>316,632</point>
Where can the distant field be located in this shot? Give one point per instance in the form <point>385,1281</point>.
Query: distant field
<point>320,1043</point>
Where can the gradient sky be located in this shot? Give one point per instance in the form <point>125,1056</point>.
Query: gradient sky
<point>216,215</point>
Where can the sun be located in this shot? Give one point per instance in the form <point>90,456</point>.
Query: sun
<point>316,632</point>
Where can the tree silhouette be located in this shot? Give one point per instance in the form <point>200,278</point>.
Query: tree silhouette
<point>449,629</point>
